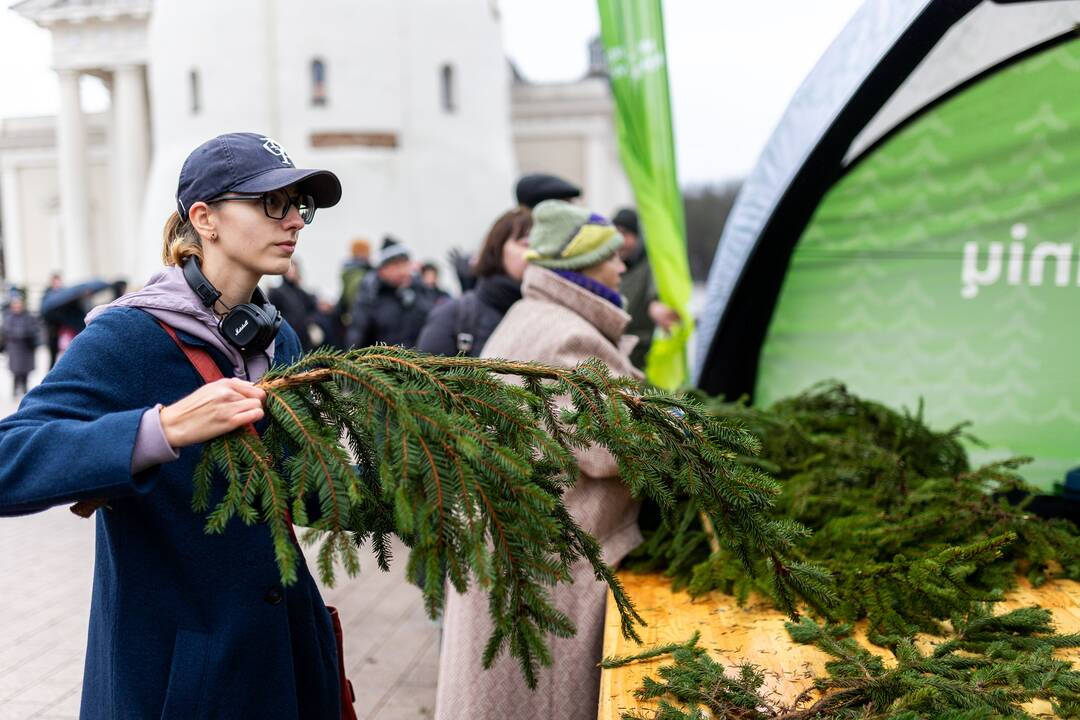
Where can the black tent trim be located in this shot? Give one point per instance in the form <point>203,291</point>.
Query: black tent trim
<point>958,89</point>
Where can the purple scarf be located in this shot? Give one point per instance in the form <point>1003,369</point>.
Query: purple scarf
<point>596,288</point>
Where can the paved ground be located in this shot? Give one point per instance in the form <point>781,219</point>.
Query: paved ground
<point>46,564</point>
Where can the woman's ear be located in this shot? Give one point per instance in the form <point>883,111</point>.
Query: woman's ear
<point>203,221</point>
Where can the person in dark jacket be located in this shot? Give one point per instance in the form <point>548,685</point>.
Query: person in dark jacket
<point>429,276</point>
<point>299,307</point>
<point>21,331</point>
<point>392,304</point>
<point>463,325</point>
<point>52,329</point>
<point>531,190</point>
<point>183,624</point>
<point>639,289</point>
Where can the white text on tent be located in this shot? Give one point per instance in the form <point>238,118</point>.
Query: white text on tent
<point>973,277</point>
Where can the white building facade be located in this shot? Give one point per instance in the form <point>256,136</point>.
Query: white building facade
<point>424,126</point>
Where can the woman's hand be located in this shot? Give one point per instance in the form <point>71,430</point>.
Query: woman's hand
<point>211,411</point>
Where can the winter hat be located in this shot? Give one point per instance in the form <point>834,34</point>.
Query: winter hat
<point>533,189</point>
<point>361,247</point>
<point>392,249</point>
<point>567,237</point>
<point>627,220</point>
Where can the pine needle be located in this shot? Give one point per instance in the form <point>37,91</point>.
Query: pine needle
<point>618,661</point>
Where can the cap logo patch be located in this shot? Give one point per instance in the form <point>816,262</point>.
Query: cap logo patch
<point>276,150</point>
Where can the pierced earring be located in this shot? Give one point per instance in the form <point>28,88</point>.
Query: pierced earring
<point>213,236</point>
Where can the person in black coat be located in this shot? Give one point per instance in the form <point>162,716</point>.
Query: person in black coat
<point>52,329</point>
<point>392,304</point>
<point>299,307</point>
<point>531,190</point>
<point>463,325</point>
<point>429,276</point>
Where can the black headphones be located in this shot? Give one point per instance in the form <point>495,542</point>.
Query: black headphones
<point>249,327</point>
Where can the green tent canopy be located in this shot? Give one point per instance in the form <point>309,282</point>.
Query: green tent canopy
<point>925,245</point>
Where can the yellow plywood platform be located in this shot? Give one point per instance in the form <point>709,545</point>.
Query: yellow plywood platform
<point>756,634</point>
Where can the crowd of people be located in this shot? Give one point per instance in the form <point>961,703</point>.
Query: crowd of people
<point>123,416</point>
<point>390,297</point>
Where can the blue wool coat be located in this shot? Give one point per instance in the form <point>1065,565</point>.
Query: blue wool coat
<point>183,625</point>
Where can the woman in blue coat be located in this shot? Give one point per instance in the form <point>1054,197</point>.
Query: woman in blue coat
<point>183,624</point>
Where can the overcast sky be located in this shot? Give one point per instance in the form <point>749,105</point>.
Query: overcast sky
<point>733,66</point>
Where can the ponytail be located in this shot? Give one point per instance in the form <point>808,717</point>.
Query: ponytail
<point>179,241</point>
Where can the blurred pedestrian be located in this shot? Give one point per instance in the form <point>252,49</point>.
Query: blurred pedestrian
<point>531,190</point>
<point>299,307</point>
<point>392,304</point>
<point>22,334</point>
<point>52,328</point>
<point>570,311</point>
<point>429,277</point>
<point>639,288</point>
<point>462,263</point>
<point>463,325</point>
<point>353,272</point>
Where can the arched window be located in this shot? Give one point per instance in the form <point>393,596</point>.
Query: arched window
<point>446,75</point>
<point>318,82</point>
<point>193,84</point>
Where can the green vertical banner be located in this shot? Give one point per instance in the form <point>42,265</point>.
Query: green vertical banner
<point>633,36</point>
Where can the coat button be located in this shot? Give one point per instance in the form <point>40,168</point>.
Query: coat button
<point>273,596</point>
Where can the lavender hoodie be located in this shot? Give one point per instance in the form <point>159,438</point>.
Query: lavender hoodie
<point>169,298</point>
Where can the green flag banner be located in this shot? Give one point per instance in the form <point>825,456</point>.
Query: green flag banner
<point>633,36</point>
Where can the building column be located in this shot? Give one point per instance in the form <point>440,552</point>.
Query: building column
<point>12,239</point>
<point>131,142</point>
<point>73,172</point>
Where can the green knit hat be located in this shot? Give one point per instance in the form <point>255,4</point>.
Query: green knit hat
<point>567,237</point>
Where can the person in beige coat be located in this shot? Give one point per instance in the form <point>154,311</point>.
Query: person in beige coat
<point>570,311</point>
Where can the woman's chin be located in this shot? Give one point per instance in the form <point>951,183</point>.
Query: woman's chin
<point>277,266</point>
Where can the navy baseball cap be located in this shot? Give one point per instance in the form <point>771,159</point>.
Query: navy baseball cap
<point>248,163</point>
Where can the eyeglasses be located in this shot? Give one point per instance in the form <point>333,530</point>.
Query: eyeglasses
<point>276,204</point>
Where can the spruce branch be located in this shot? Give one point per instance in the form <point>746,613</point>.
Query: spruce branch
<point>990,668</point>
<point>909,533</point>
<point>469,471</point>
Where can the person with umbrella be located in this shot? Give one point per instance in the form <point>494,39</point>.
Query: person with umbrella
<point>184,624</point>
<point>66,307</point>
<point>52,329</point>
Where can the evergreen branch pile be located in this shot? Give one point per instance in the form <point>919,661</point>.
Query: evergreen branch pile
<point>910,532</point>
<point>469,471</point>
<point>989,668</point>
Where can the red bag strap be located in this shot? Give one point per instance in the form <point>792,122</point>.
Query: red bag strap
<point>204,364</point>
<point>209,371</point>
